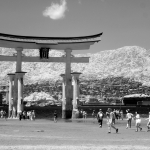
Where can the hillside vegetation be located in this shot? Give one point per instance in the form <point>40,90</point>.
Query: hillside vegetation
<point>129,61</point>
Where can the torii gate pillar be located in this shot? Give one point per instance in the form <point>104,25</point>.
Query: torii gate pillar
<point>75,77</point>
<point>67,110</point>
<point>19,76</point>
<point>11,80</point>
<point>63,96</point>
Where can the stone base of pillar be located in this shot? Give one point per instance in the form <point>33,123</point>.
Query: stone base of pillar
<point>75,114</point>
<point>14,113</point>
<point>66,114</point>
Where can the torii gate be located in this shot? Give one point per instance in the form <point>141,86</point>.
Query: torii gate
<point>44,43</point>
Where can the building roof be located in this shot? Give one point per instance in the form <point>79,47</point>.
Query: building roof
<point>136,95</point>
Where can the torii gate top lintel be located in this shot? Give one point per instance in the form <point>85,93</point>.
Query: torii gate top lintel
<point>57,43</point>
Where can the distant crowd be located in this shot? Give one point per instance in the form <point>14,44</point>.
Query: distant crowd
<point>29,115</point>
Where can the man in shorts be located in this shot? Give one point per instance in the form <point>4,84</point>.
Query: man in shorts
<point>110,121</point>
<point>129,119</point>
<point>138,121</point>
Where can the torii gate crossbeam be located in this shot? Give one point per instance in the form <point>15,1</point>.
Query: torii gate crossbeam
<point>51,59</point>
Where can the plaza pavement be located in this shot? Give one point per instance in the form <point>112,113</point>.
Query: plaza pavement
<point>79,134</point>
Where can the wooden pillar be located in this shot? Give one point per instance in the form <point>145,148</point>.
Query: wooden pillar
<point>75,77</point>
<point>11,79</point>
<point>18,70</point>
<point>20,91</point>
<point>67,112</point>
<point>15,97</point>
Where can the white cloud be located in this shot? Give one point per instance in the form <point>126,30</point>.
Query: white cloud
<point>56,11</point>
<point>79,1</point>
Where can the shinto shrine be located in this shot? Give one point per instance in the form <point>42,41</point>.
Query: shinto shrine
<point>44,45</point>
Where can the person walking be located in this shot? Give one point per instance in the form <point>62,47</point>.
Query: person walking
<point>110,121</point>
<point>20,116</point>
<point>138,121</point>
<point>2,113</point>
<point>129,116</point>
<point>5,115</point>
<point>84,114</point>
<point>24,115</point>
<point>93,114</point>
<point>121,114</point>
<point>107,114</point>
<point>33,114</point>
<point>55,116</point>
<point>114,117</point>
<point>148,123</point>
<point>28,115</point>
<point>100,116</point>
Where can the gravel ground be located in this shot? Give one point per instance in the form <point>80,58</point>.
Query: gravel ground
<point>77,134</point>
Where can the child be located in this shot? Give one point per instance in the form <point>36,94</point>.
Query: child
<point>148,124</point>
<point>110,121</point>
<point>138,121</point>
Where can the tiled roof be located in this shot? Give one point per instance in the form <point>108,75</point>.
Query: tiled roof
<point>50,40</point>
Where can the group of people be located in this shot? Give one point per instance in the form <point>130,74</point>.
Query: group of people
<point>83,114</point>
<point>110,119</point>
<point>137,119</point>
<point>29,115</point>
<point>111,116</point>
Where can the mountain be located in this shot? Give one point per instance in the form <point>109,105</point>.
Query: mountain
<point>129,61</point>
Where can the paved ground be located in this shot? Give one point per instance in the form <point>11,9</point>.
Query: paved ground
<point>70,135</point>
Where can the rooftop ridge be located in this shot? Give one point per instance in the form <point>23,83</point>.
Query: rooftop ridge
<point>50,38</point>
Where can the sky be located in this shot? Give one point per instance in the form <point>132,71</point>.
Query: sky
<point>123,22</point>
